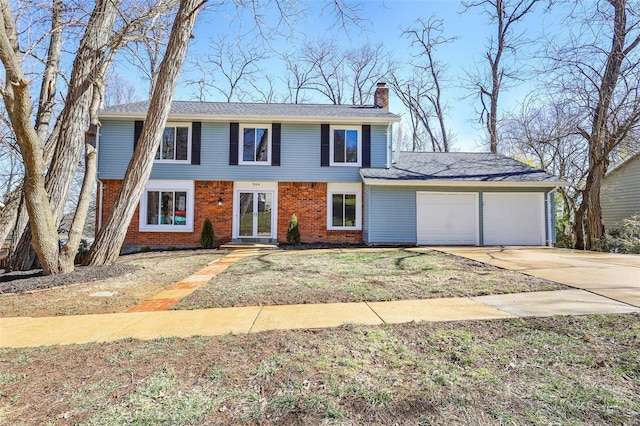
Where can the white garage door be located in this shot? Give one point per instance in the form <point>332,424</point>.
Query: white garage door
<point>447,218</point>
<point>513,219</point>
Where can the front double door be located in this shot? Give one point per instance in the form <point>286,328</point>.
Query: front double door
<point>255,211</point>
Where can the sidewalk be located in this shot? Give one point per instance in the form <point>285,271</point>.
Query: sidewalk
<point>80,329</point>
<point>151,319</point>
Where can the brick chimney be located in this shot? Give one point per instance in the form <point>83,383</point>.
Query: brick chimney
<point>381,97</point>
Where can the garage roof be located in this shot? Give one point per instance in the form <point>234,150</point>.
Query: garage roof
<point>459,169</point>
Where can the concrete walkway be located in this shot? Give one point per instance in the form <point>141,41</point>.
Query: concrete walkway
<point>615,276</point>
<point>154,321</point>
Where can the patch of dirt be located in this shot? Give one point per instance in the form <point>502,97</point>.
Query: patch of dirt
<point>27,281</point>
<point>135,278</point>
<point>558,370</point>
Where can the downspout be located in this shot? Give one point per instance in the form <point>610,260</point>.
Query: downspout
<point>389,145</point>
<point>550,217</point>
<point>100,197</point>
<point>100,184</point>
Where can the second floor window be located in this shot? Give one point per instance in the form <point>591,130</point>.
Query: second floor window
<point>174,145</point>
<point>345,146</point>
<point>256,144</point>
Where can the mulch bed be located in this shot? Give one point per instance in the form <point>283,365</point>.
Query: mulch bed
<point>28,281</point>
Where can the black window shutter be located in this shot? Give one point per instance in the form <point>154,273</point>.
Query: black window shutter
<point>366,146</point>
<point>234,133</point>
<point>275,144</point>
<point>137,130</point>
<point>324,145</point>
<point>196,137</point>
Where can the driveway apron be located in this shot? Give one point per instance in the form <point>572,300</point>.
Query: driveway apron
<point>615,276</point>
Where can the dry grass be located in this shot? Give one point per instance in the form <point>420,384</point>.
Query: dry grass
<point>158,270</point>
<point>563,370</point>
<point>331,276</point>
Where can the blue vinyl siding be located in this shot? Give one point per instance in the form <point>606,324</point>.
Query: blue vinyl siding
<point>300,156</point>
<point>115,149</point>
<point>390,216</point>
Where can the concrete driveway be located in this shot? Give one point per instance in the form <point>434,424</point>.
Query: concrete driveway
<point>615,276</point>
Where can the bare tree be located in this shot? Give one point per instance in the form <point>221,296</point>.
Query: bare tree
<point>504,15</point>
<point>119,90</point>
<point>421,92</point>
<point>106,247</point>
<point>544,132</point>
<point>598,70</point>
<point>85,90</point>
<point>230,68</point>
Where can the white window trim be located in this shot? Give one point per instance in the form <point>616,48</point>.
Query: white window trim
<point>189,132</point>
<point>331,145</point>
<point>344,188</point>
<point>241,160</point>
<point>168,185</point>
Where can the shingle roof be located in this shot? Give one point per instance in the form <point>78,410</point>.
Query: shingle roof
<point>455,167</point>
<point>225,110</point>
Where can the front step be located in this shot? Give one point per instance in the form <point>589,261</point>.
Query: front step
<point>243,245</point>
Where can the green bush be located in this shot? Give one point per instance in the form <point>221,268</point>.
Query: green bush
<point>625,239</point>
<point>293,233</point>
<point>145,249</point>
<point>207,237</point>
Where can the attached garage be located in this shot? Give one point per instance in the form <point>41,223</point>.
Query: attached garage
<point>513,218</point>
<point>447,218</point>
<point>458,199</point>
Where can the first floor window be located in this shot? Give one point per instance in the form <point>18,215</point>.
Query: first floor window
<point>167,206</point>
<point>256,144</point>
<point>344,206</point>
<point>344,210</point>
<point>174,145</point>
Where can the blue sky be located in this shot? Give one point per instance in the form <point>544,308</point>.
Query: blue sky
<point>383,23</point>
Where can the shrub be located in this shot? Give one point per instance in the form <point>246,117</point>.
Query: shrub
<point>145,249</point>
<point>172,248</point>
<point>207,237</point>
<point>625,239</point>
<point>293,233</point>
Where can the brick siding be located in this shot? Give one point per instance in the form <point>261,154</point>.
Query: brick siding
<point>307,200</point>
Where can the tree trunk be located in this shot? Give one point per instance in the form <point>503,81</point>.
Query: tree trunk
<point>595,227</point>
<point>70,141</point>
<point>68,252</point>
<point>109,240</point>
<point>17,98</point>
<point>9,213</point>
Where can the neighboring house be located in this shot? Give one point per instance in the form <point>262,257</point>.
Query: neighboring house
<point>249,167</point>
<point>620,193</point>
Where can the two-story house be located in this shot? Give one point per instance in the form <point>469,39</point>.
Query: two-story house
<point>249,167</point>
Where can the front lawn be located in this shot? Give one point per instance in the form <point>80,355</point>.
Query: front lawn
<point>540,371</point>
<point>355,275</point>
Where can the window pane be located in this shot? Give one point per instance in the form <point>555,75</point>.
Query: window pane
<point>166,208</point>
<point>262,150</point>
<point>152,207</point>
<point>338,146</point>
<point>337,210</point>
<point>168,143</point>
<point>350,210</point>
<point>182,143</point>
<point>352,146</point>
<point>180,209</point>
<point>249,143</point>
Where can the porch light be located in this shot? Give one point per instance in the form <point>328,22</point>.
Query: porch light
<point>220,202</point>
